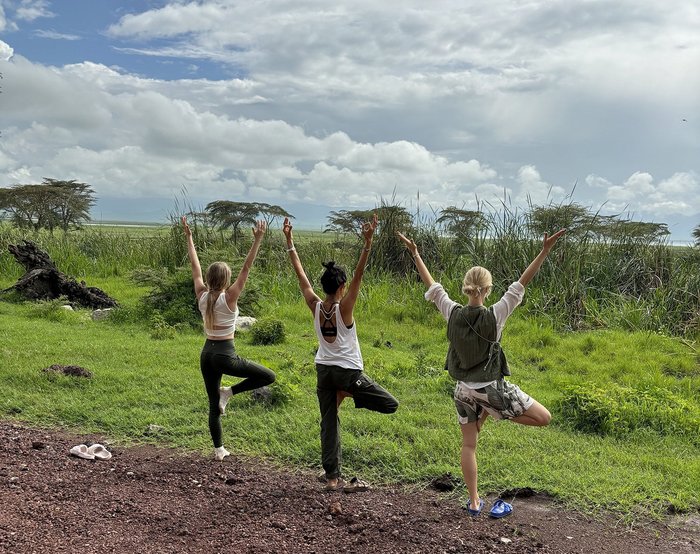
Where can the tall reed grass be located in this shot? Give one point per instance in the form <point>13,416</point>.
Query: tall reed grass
<point>589,280</point>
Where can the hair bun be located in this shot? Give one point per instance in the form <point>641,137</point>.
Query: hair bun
<point>328,265</point>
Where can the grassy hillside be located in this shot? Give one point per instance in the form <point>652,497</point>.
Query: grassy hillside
<point>606,339</point>
<point>626,405</point>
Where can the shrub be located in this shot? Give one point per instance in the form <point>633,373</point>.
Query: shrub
<point>276,394</point>
<point>53,310</point>
<point>618,410</point>
<point>267,331</point>
<point>161,330</point>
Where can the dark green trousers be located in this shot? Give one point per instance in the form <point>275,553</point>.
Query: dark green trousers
<point>366,394</point>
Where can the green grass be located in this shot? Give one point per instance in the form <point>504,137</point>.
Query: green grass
<point>625,402</point>
<point>634,470</point>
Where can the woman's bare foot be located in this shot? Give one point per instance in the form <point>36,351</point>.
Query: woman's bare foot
<point>334,484</point>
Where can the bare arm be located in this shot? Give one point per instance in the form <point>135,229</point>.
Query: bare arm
<point>347,304</point>
<point>199,286</point>
<point>425,275</point>
<point>235,290</point>
<point>536,264</point>
<point>304,284</point>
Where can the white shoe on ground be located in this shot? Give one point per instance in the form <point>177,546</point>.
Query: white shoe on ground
<point>99,452</point>
<point>82,451</point>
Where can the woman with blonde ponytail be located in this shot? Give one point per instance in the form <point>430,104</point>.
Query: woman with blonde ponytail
<point>476,361</point>
<point>217,299</point>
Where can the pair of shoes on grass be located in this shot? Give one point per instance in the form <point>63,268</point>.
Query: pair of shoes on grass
<point>224,395</point>
<point>354,485</point>
<point>499,509</point>
<point>94,452</point>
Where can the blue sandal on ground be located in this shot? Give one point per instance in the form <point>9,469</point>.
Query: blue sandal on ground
<point>476,512</point>
<point>500,509</point>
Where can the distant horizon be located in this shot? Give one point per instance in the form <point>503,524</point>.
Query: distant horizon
<point>316,219</point>
<point>307,222</point>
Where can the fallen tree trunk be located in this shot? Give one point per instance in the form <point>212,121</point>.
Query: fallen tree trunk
<point>43,280</point>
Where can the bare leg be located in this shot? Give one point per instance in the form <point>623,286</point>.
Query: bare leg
<point>470,435</point>
<point>536,415</point>
<point>480,421</point>
<point>340,396</point>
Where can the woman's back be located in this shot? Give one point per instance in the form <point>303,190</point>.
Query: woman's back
<point>224,316</point>
<point>344,349</point>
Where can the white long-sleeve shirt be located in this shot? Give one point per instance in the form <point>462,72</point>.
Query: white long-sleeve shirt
<point>501,309</point>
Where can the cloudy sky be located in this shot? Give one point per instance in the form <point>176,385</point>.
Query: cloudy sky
<point>319,105</point>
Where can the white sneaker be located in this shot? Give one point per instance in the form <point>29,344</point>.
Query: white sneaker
<point>224,395</point>
<point>220,453</point>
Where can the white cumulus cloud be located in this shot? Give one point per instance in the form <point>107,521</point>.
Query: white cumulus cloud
<point>678,194</point>
<point>29,10</point>
<point>344,102</point>
<point>534,190</point>
<point>6,51</point>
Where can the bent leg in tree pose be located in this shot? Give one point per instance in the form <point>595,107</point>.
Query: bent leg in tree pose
<point>339,365</point>
<point>476,361</point>
<point>218,302</point>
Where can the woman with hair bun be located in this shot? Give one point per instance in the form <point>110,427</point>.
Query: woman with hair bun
<point>476,361</point>
<point>217,299</point>
<point>339,366</point>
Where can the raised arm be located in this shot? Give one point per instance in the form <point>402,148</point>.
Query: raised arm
<point>199,286</point>
<point>435,293</point>
<point>347,304</point>
<point>420,265</point>
<point>535,265</point>
<point>235,290</point>
<point>304,284</point>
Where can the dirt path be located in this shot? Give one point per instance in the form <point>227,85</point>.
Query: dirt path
<point>157,500</point>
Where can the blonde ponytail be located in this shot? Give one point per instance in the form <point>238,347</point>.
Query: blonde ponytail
<point>218,278</point>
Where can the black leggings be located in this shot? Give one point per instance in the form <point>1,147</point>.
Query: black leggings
<point>219,358</point>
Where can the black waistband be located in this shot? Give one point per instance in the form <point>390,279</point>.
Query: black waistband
<point>225,345</point>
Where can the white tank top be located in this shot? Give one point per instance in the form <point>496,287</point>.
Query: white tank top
<point>344,351</point>
<point>223,316</point>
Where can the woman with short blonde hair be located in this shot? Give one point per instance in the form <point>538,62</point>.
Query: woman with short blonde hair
<point>476,361</point>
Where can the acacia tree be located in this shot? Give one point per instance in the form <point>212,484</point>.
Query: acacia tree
<point>625,230</point>
<point>347,222</point>
<point>29,206</point>
<point>460,223</point>
<point>71,201</point>
<point>13,205</point>
<point>271,212</point>
<point>227,214</point>
<point>388,253</point>
<point>49,205</point>
<point>576,219</point>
